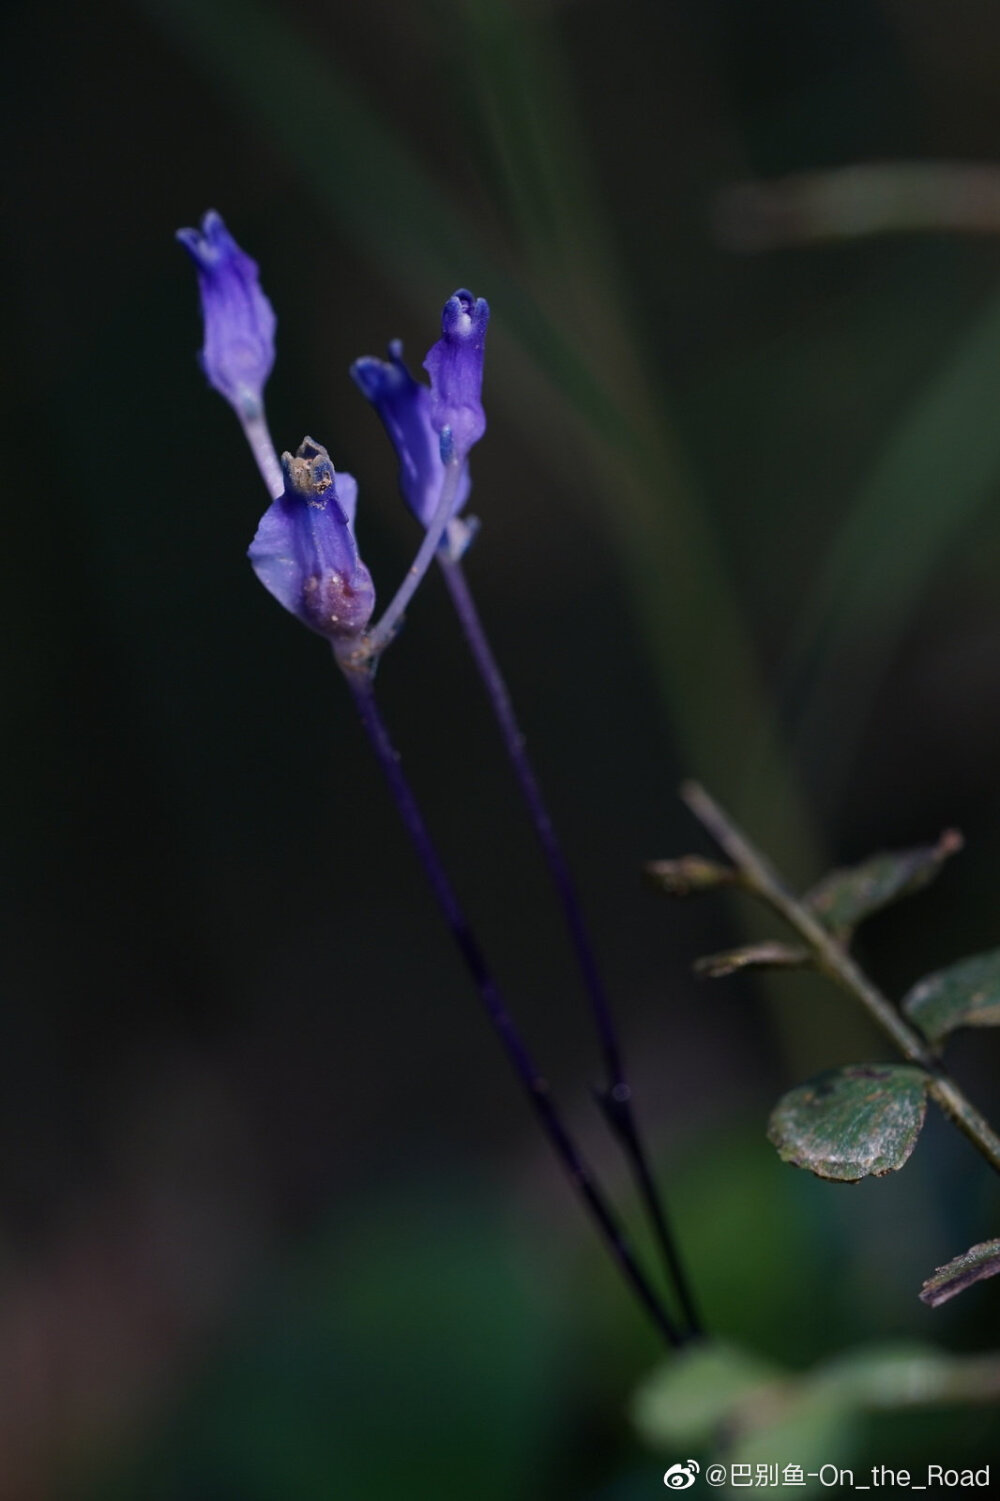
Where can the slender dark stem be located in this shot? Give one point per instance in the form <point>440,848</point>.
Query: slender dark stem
<point>615,1098</point>
<point>836,963</point>
<point>532,1081</point>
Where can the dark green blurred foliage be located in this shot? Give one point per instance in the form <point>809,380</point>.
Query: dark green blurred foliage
<point>740,522</point>
<point>439,1374</point>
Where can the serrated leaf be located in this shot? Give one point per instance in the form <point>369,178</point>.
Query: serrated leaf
<point>966,994</point>
<point>768,955</point>
<point>686,1400</point>
<point>852,1123</point>
<point>846,897</point>
<point>974,1265</point>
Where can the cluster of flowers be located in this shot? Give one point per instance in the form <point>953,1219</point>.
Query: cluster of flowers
<point>305,551</point>
<point>306,554</point>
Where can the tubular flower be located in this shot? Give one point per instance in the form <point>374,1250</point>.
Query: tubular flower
<point>305,553</point>
<point>404,406</point>
<point>455,366</point>
<point>238,352</point>
<point>432,426</point>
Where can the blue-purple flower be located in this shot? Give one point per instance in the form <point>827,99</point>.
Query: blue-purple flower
<point>404,406</point>
<point>455,366</point>
<point>238,352</point>
<point>430,426</point>
<point>304,552</point>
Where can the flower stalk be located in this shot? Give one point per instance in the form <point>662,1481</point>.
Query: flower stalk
<point>432,429</point>
<point>615,1097</point>
<point>533,1082</point>
<point>258,436</point>
<point>378,638</point>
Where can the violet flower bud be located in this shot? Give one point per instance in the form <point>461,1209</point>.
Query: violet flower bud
<point>455,366</point>
<point>304,552</point>
<point>238,352</point>
<point>404,406</point>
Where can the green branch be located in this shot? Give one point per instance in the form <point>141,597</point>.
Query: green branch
<point>832,959</point>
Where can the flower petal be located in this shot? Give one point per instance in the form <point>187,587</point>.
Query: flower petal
<point>304,552</point>
<point>238,352</point>
<point>404,406</point>
<point>455,366</point>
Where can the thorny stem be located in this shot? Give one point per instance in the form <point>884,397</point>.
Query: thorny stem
<point>615,1099</point>
<point>836,963</point>
<point>533,1082</point>
<point>378,639</point>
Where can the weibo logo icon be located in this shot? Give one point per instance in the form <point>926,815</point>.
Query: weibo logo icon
<point>680,1476</point>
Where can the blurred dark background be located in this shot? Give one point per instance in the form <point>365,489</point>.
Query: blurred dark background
<point>274,1222</point>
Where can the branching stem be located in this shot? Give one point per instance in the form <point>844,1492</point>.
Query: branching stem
<point>615,1098</point>
<point>832,959</point>
<point>378,639</point>
<point>533,1082</point>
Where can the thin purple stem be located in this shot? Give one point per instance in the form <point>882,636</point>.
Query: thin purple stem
<point>615,1098</point>
<point>532,1081</point>
<point>378,638</point>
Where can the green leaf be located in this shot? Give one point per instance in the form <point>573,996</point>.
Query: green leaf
<point>686,1400</point>
<point>819,1417</point>
<point>766,955</point>
<point>810,1429</point>
<point>966,994</point>
<point>974,1265</point>
<point>846,897</point>
<point>746,1412</point>
<point>852,1123</point>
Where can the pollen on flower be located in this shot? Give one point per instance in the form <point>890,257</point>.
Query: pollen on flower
<point>310,471</point>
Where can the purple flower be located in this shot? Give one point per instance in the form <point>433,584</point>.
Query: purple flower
<point>455,366</point>
<point>404,406</point>
<point>239,321</point>
<point>304,552</point>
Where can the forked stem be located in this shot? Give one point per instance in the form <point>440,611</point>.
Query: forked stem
<point>379,637</point>
<point>532,1081</point>
<point>833,959</point>
<point>615,1098</point>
